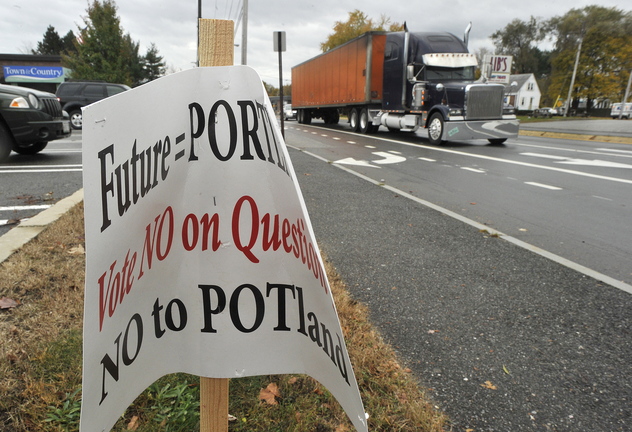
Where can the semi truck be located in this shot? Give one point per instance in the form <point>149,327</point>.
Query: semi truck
<point>404,81</point>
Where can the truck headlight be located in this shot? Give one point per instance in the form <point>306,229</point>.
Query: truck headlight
<point>456,112</point>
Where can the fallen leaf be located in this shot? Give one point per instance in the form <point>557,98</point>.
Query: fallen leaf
<point>7,303</point>
<point>292,380</point>
<point>489,385</point>
<point>269,394</point>
<point>77,250</point>
<point>506,370</point>
<point>133,424</point>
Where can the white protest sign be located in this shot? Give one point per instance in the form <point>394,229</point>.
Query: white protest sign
<point>200,254</point>
<point>498,68</point>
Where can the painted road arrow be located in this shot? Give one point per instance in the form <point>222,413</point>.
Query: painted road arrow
<point>584,162</point>
<point>387,158</point>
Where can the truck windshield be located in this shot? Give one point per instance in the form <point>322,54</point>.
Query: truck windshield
<point>434,73</point>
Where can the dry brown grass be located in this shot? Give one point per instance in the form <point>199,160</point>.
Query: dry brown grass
<point>40,353</point>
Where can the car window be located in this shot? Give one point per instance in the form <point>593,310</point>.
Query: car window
<point>93,90</point>
<point>112,90</point>
<point>67,89</point>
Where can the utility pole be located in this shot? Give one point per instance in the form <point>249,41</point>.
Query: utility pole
<point>570,89</point>
<point>244,35</point>
<point>625,98</point>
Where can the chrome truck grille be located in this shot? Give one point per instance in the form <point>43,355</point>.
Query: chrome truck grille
<point>483,101</point>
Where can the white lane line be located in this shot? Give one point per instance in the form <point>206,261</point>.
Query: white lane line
<point>19,167</point>
<point>473,170</point>
<point>545,186</point>
<point>22,171</point>
<point>427,159</point>
<point>32,207</point>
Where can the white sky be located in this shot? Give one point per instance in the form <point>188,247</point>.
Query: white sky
<point>172,24</point>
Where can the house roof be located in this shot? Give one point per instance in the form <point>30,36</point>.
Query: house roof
<point>521,79</point>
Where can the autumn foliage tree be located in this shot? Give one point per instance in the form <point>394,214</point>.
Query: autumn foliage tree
<point>606,52</point>
<point>357,24</point>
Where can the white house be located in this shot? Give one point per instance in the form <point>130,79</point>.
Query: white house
<point>527,96</point>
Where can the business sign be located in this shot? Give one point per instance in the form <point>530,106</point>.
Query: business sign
<point>50,74</point>
<point>200,253</point>
<point>498,68</point>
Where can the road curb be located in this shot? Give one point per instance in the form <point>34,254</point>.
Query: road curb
<point>28,230</point>
<point>578,137</point>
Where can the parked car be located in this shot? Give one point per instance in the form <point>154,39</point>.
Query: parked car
<point>74,95</point>
<point>615,112</point>
<point>289,113</point>
<point>544,112</point>
<point>29,119</point>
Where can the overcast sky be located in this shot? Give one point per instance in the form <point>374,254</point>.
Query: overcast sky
<point>171,24</point>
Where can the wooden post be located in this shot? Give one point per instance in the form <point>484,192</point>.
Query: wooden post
<point>215,49</point>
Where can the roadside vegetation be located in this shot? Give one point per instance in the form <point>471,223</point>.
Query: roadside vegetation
<point>41,312</point>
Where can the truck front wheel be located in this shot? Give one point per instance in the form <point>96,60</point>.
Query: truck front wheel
<point>435,129</point>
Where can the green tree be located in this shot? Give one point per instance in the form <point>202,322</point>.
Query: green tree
<point>519,39</point>
<point>153,64</point>
<point>53,44</point>
<point>605,57</point>
<point>357,24</point>
<point>105,53</point>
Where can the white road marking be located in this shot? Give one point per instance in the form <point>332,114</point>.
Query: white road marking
<point>473,170</point>
<point>427,159</point>
<point>584,162</point>
<point>388,158</point>
<point>22,171</point>
<point>32,207</point>
<point>352,161</point>
<point>545,186</point>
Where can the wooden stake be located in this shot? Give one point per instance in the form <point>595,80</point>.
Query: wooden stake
<point>216,43</point>
<point>216,49</point>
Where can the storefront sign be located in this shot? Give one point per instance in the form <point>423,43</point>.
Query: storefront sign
<point>50,74</point>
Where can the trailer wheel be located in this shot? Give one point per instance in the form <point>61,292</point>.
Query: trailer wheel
<point>435,129</point>
<point>365,125</point>
<point>304,116</point>
<point>353,119</point>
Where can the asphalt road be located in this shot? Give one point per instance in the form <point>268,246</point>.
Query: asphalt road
<point>506,340</point>
<point>30,184</point>
<point>571,198</point>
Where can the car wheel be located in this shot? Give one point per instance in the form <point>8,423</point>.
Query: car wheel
<point>76,119</point>
<point>6,143</point>
<point>435,129</point>
<point>30,149</point>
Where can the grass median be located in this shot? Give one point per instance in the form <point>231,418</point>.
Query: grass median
<point>41,300</point>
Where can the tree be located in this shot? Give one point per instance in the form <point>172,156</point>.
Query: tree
<point>357,24</point>
<point>519,39</point>
<point>605,57</point>
<point>105,53</point>
<point>53,44</point>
